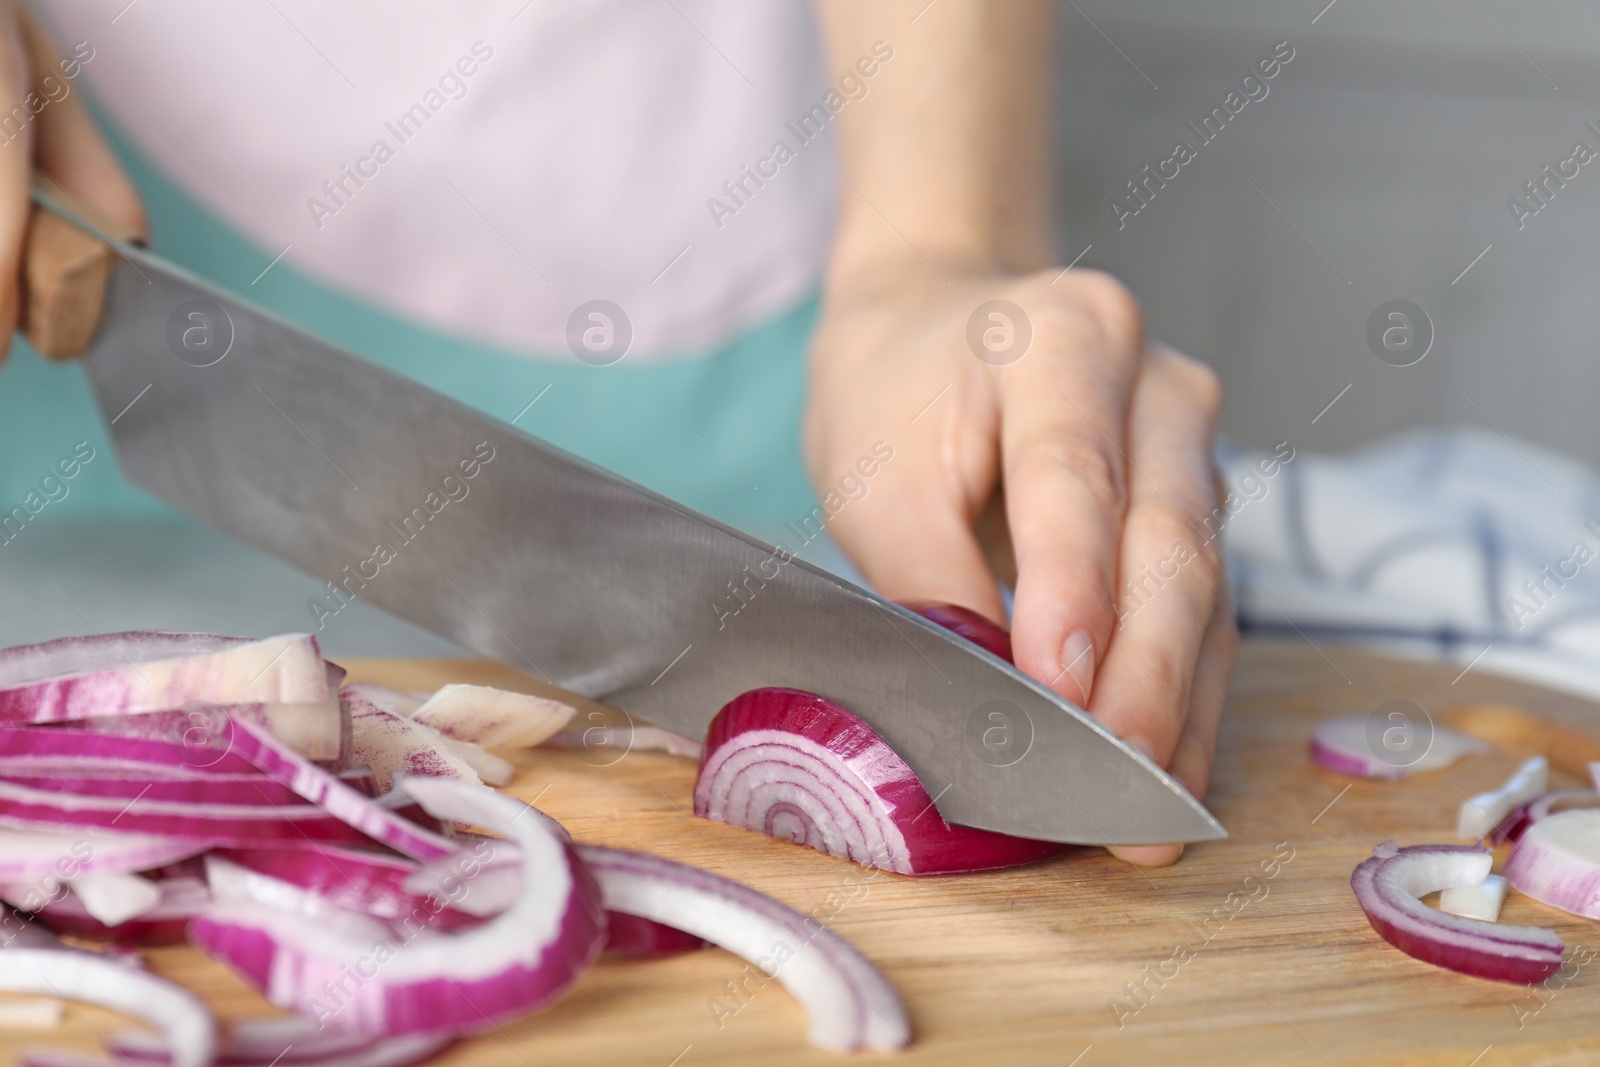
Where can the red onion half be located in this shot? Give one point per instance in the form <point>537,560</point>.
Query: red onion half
<point>795,766</point>
<point>1389,886</point>
<point>800,768</point>
<point>850,1003</point>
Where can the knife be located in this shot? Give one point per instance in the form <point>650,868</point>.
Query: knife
<point>472,529</point>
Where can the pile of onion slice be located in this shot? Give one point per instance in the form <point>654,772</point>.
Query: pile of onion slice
<point>800,768</point>
<point>1390,885</point>
<point>161,786</point>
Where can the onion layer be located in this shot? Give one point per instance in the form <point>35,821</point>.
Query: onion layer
<point>1390,885</point>
<point>850,1003</point>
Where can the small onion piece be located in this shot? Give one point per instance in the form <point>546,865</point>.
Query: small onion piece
<point>1556,861</point>
<point>355,1052</point>
<point>849,1002</point>
<point>115,898</point>
<point>1482,813</point>
<point>1482,901</point>
<point>1344,745</point>
<point>797,767</point>
<point>493,718</point>
<point>439,984</point>
<point>31,961</point>
<point>1389,886</point>
<point>166,923</point>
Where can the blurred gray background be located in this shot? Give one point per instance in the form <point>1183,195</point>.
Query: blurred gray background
<point>1392,142</point>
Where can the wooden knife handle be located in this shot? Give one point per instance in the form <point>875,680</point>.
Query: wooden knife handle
<point>64,274</point>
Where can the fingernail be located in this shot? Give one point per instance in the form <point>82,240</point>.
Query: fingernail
<point>1077,659</point>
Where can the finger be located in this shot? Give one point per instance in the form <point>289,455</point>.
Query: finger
<point>1171,561</point>
<point>69,149</point>
<point>1171,571</point>
<point>1065,470</point>
<point>1196,748</point>
<point>15,162</point>
<point>1195,753</point>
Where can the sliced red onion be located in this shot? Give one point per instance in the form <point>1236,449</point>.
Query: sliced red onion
<point>314,730</point>
<point>629,935</point>
<point>1481,901</point>
<point>850,1003</point>
<point>336,973</point>
<point>377,821</point>
<point>493,718</point>
<point>1556,861</point>
<point>29,855</point>
<point>115,898</point>
<point>175,786</point>
<point>391,744</point>
<point>122,674</point>
<point>1389,886</point>
<point>1520,818</point>
<point>1482,813</point>
<point>800,768</point>
<point>74,743</point>
<point>36,963</point>
<point>374,883</point>
<point>239,825</point>
<point>1343,745</point>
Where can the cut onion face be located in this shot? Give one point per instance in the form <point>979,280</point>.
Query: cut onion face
<point>1389,886</point>
<point>1556,861</point>
<point>40,965</point>
<point>493,718</point>
<point>131,673</point>
<point>800,768</point>
<point>1482,813</point>
<point>358,975</point>
<point>1356,746</point>
<point>849,1002</point>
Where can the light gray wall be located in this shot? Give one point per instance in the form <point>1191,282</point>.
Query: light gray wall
<point>1391,141</point>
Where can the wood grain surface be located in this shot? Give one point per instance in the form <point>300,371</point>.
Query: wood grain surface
<point>1250,950</point>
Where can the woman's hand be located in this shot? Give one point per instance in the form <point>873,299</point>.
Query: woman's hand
<point>45,128</point>
<point>1101,445</point>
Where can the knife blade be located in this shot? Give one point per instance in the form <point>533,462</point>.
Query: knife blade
<point>469,527</point>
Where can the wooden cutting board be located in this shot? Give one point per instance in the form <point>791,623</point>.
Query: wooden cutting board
<point>1250,950</point>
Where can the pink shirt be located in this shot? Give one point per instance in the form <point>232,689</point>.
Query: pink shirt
<point>488,167</point>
